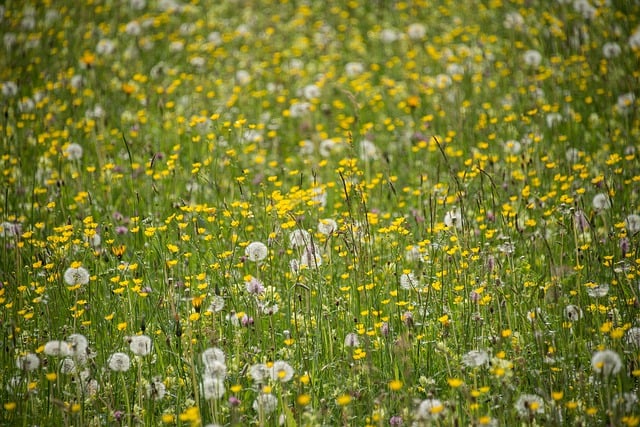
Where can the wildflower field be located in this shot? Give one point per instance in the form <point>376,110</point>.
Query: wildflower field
<point>305,213</point>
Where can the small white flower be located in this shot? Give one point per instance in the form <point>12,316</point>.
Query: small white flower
<point>243,77</point>
<point>572,155</point>
<point>634,40</point>
<point>584,8</point>
<point>76,276</point>
<point>606,362</point>
<point>133,28</point>
<point>299,109</point>
<point>140,345</point>
<point>105,47</point>
<point>119,362</point>
<point>553,119</point>
<point>256,251</point>
<point>67,366</point>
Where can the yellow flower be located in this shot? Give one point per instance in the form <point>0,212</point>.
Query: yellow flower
<point>455,382</point>
<point>303,399</point>
<point>343,400</point>
<point>395,385</point>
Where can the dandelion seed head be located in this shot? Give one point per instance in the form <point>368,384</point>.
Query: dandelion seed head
<point>76,276</point>
<point>140,345</point>
<point>119,362</point>
<point>256,251</point>
<point>606,363</point>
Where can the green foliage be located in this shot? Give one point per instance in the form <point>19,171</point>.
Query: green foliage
<point>319,213</point>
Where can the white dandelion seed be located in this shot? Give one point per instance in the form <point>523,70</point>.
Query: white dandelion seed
<point>217,304</point>
<point>327,226</point>
<point>611,50</point>
<point>632,222</point>
<point>281,371</point>
<point>211,355</point>
<point>67,366</point>
<point>215,369</point>
<point>28,362</point>
<point>408,281</point>
<point>254,286</point>
<point>625,102</point>
<point>453,218</point>
<point>299,238</point>
<point>78,345</point>
<point>430,409</point>
<point>353,69</point>
<point>351,340</point>
<point>475,358</point>
<point>606,363</point>
<point>416,31</point>
<point>258,372</point>
<point>598,291</point>
<point>573,313</point>
<point>633,336</point>
<point>256,251</point>
<point>76,276</point>
<point>140,345</point>
<point>532,58</point>
<point>601,202</point>
<point>119,362</point>
<point>57,348</point>
<point>213,388</point>
<point>156,389</point>
<point>529,404</point>
<point>265,403</point>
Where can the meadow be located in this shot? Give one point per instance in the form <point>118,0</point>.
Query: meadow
<point>301,213</point>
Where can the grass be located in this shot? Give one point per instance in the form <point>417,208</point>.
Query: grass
<point>309,213</point>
